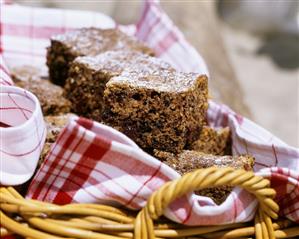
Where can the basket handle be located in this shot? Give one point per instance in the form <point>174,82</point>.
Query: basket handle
<point>204,178</point>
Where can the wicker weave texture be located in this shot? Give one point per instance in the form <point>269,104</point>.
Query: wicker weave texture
<point>38,220</point>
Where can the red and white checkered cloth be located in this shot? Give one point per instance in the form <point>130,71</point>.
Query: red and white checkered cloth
<point>4,73</point>
<point>22,134</point>
<point>91,162</point>
<point>22,131</point>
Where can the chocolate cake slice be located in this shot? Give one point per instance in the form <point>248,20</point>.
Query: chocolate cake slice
<point>86,42</point>
<point>189,160</point>
<point>162,110</point>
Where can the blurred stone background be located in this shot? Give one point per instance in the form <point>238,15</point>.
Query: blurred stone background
<point>260,41</point>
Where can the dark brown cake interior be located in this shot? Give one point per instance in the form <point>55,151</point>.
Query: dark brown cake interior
<point>163,110</point>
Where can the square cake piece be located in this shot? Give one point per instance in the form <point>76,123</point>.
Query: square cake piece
<point>188,161</point>
<point>88,77</point>
<point>162,110</point>
<point>86,42</point>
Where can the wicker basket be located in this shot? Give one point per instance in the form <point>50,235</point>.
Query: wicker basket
<point>39,220</point>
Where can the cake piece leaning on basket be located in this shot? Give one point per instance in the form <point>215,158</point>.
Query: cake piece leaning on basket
<point>86,42</point>
<point>188,161</point>
<point>88,77</point>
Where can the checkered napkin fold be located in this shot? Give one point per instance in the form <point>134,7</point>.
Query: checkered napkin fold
<point>91,162</point>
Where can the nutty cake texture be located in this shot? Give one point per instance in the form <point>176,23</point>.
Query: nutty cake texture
<point>86,42</point>
<point>161,110</point>
<point>50,96</point>
<point>88,77</point>
<point>189,160</point>
<point>213,141</point>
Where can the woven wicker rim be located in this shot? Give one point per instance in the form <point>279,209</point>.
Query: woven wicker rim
<point>38,220</point>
